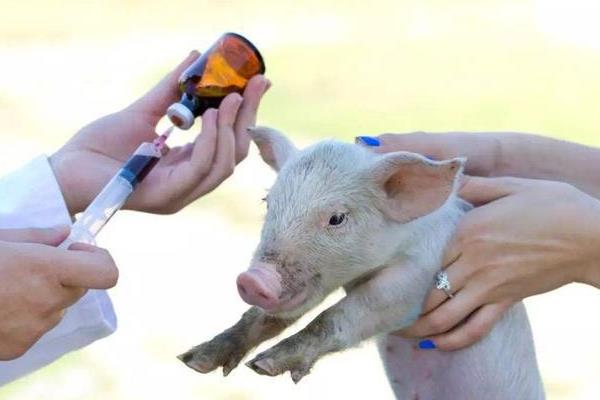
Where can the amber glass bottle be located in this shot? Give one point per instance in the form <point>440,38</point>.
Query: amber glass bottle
<point>225,68</point>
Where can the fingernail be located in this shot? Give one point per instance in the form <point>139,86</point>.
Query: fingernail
<point>427,344</point>
<point>367,141</point>
<point>210,113</point>
<point>238,98</point>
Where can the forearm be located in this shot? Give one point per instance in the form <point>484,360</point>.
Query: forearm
<point>538,157</point>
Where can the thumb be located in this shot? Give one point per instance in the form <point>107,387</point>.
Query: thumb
<point>165,93</point>
<point>88,267</point>
<point>478,190</point>
<point>48,236</point>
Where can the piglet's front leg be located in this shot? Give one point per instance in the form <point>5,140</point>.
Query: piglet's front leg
<point>229,348</point>
<point>388,301</point>
<point>297,353</point>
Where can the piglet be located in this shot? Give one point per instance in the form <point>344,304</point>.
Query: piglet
<point>339,215</point>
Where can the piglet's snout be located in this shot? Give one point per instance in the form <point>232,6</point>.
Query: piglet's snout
<point>260,285</point>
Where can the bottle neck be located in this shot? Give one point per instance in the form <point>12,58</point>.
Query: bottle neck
<point>191,103</point>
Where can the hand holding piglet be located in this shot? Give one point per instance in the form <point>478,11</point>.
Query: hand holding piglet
<point>526,238</point>
<point>530,236</point>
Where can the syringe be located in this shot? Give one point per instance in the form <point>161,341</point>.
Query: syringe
<point>116,192</point>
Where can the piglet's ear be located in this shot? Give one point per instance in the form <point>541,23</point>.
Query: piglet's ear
<point>275,149</point>
<point>413,185</point>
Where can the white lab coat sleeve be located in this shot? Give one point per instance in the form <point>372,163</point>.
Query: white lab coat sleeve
<point>31,197</point>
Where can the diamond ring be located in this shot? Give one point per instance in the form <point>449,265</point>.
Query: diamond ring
<point>442,283</point>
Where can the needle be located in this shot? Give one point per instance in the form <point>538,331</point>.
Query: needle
<point>160,141</point>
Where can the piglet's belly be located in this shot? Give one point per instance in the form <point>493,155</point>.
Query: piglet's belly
<point>478,372</point>
<point>417,374</point>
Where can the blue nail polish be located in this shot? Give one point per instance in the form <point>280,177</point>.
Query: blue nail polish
<point>427,344</point>
<point>368,140</point>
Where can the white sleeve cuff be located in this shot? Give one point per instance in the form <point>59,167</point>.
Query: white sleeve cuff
<point>30,197</point>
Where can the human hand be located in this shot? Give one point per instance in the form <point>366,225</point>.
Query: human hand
<point>527,237</point>
<point>521,155</point>
<point>482,150</point>
<point>38,282</point>
<point>85,164</point>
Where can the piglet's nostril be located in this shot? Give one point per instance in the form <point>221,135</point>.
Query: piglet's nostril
<point>265,296</point>
<point>257,289</point>
<point>242,289</point>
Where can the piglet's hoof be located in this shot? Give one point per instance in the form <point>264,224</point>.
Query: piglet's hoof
<point>275,362</point>
<point>196,362</point>
<point>219,352</point>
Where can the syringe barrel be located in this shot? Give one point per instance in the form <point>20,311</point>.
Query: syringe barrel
<point>140,163</point>
<point>104,206</point>
<point>114,195</point>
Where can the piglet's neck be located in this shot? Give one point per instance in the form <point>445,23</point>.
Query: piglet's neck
<point>423,240</point>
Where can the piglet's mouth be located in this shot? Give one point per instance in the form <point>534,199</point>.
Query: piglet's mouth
<point>289,303</point>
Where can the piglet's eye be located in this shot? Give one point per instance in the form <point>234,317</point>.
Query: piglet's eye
<point>337,219</point>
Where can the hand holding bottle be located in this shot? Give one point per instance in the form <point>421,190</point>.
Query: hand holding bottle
<point>91,157</point>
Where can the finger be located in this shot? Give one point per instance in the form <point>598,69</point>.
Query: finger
<point>453,253</point>
<point>257,87</point>
<point>458,273</point>
<point>86,266</point>
<point>228,112</point>
<point>203,152</point>
<point>165,93</point>
<point>188,166</point>
<point>224,159</point>
<point>475,328</point>
<point>48,236</point>
<point>447,315</point>
<point>479,191</point>
<point>416,142</point>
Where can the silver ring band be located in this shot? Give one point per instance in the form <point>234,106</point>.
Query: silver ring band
<point>442,283</point>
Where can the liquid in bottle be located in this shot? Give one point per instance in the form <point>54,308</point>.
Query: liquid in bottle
<point>225,68</point>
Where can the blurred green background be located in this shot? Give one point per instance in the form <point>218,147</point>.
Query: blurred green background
<point>339,69</point>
